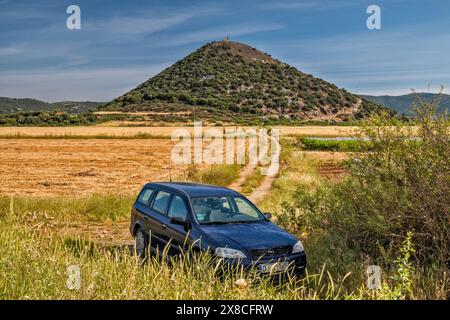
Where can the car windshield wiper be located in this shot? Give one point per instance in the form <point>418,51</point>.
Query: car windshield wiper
<point>231,222</point>
<point>216,222</point>
<point>246,221</point>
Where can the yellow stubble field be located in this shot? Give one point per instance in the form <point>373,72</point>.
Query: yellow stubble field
<point>82,166</point>
<point>165,131</point>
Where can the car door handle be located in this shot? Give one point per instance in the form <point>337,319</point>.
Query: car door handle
<point>164,226</point>
<point>145,217</point>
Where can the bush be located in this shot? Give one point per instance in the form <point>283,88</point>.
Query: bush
<point>43,118</point>
<point>401,185</point>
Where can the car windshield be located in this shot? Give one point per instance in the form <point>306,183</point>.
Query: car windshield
<point>225,209</point>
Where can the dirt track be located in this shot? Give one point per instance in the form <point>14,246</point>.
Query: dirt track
<point>238,183</point>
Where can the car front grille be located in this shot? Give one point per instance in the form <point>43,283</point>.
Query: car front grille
<point>271,252</point>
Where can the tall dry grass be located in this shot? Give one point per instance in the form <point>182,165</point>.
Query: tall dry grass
<point>34,265</point>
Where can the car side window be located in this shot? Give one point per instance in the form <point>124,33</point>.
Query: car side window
<point>161,202</point>
<point>177,208</point>
<point>144,196</point>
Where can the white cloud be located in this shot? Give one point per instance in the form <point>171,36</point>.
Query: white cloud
<point>147,22</point>
<point>9,51</point>
<point>305,5</point>
<point>132,25</point>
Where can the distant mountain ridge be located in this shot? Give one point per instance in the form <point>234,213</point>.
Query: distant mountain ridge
<point>403,103</point>
<point>13,105</point>
<point>226,80</point>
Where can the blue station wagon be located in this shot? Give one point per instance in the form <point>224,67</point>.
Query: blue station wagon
<point>186,216</point>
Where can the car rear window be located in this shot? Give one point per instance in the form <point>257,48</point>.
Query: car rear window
<point>145,196</point>
<point>161,202</point>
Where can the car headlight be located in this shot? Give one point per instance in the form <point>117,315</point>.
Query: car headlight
<point>229,253</point>
<point>298,247</point>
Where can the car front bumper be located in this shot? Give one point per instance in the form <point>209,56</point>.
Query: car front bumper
<point>296,263</point>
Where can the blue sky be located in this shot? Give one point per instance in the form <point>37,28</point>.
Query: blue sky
<point>123,43</point>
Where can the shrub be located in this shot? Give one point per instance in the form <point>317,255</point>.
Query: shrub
<point>401,185</point>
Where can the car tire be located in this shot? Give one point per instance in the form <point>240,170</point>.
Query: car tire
<point>141,243</point>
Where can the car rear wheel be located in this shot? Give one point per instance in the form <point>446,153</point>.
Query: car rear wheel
<point>141,243</point>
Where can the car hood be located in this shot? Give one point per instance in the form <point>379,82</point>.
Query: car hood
<point>248,236</point>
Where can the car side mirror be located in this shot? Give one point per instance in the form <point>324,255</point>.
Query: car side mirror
<point>180,221</point>
<point>268,215</point>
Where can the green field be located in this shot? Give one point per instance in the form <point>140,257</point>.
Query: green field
<point>334,145</point>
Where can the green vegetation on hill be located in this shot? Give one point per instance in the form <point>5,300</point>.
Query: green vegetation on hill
<point>10,105</point>
<point>52,119</point>
<point>234,79</point>
<point>77,106</point>
<point>59,119</point>
<point>15,105</point>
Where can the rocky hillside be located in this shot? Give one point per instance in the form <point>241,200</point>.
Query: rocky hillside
<point>227,79</point>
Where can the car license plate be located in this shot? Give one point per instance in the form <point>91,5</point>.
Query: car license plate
<point>273,267</point>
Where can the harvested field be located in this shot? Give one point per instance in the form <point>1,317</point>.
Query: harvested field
<point>76,167</point>
<point>157,132</point>
<point>326,156</point>
<point>83,166</point>
<point>93,131</point>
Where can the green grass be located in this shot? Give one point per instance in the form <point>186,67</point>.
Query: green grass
<point>218,175</point>
<point>296,170</point>
<point>333,145</point>
<point>252,181</point>
<point>94,207</point>
<point>33,265</point>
